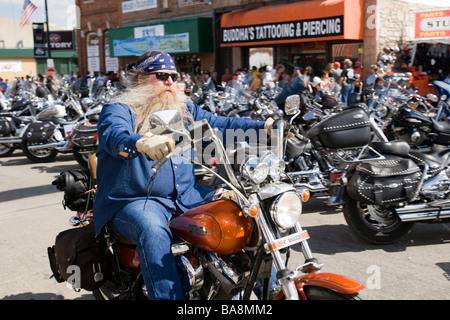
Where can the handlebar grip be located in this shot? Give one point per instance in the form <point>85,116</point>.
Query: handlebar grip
<point>159,163</point>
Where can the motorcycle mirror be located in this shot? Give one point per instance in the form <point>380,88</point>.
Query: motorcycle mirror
<point>292,104</point>
<point>308,116</point>
<point>165,121</point>
<point>432,97</point>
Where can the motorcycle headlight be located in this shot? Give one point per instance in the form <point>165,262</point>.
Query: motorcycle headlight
<point>286,210</point>
<point>276,165</point>
<point>381,111</point>
<point>254,170</point>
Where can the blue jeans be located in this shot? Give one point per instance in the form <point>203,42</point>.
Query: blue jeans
<point>149,230</point>
<point>346,91</point>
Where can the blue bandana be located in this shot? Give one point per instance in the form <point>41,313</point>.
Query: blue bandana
<point>160,61</point>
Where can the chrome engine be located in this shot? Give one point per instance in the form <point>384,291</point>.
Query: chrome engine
<point>225,270</point>
<point>436,188</point>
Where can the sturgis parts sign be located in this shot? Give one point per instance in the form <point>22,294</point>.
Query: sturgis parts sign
<point>432,24</point>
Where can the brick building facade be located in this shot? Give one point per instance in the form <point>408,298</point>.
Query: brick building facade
<point>363,28</point>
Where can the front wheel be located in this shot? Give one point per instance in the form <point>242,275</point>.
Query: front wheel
<point>375,224</point>
<point>6,149</point>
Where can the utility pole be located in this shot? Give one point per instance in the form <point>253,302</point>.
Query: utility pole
<point>48,32</point>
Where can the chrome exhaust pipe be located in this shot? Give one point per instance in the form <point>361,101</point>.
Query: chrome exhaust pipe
<point>423,212</point>
<point>52,145</point>
<point>9,140</point>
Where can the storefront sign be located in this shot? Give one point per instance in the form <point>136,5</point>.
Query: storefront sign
<point>149,31</point>
<point>138,5</point>
<point>432,24</point>
<point>11,66</point>
<point>38,38</point>
<point>169,43</point>
<point>300,29</point>
<point>61,41</point>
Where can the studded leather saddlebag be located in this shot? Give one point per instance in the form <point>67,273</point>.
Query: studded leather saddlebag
<point>383,182</point>
<point>80,258</point>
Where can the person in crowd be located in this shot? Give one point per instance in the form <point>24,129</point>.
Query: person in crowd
<point>208,82</point>
<point>326,84</point>
<point>227,76</point>
<point>297,86</point>
<point>307,78</point>
<point>126,143</point>
<point>285,80</point>
<point>3,85</point>
<point>268,82</point>
<point>358,68</point>
<point>375,78</point>
<point>101,79</point>
<point>278,72</point>
<point>337,71</point>
<point>296,72</point>
<point>346,81</point>
<point>257,79</point>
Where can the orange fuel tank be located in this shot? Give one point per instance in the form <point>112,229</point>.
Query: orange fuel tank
<point>218,227</point>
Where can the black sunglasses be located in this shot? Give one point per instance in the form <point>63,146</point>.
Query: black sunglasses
<point>163,76</point>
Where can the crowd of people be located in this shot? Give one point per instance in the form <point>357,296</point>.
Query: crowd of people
<point>339,80</point>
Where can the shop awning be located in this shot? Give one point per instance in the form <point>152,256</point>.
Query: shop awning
<point>302,21</point>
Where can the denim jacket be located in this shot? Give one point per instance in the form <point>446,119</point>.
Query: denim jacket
<point>124,179</point>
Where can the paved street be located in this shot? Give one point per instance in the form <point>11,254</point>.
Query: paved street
<point>31,215</point>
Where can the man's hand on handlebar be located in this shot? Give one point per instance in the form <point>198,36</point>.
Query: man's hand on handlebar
<point>155,146</point>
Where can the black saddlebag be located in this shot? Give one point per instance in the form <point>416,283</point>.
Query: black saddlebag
<point>347,129</point>
<point>386,181</point>
<point>5,126</point>
<point>85,136</point>
<point>78,189</point>
<point>80,258</point>
<point>39,132</point>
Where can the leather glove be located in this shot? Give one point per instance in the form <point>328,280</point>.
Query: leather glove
<point>268,126</point>
<point>154,146</point>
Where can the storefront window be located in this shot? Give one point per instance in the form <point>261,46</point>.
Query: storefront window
<point>352,51</point>
<point>93,54</point>
<point>310,54</point>
<point>260,57</point>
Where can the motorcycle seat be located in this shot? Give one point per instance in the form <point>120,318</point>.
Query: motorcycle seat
<point>436,157</point>
<point>120,238</point>
<point>441,126</point>
<point>396,147</point>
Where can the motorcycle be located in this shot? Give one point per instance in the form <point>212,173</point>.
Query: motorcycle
<point>316,160</point>
<point>57,131</point>
<point>14,120</point>
<point>389,186</point>
<point>225,247</point>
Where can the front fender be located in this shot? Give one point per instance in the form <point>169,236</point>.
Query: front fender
<point>334,282</point>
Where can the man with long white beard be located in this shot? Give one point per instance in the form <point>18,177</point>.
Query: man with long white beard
<point>124,172</point>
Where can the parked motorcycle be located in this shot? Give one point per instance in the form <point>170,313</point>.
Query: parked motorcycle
<point>57,131</point>
<point>14,120</point>
<point>389,185</point>
<point>223,248</point>
<point>316,160</point>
